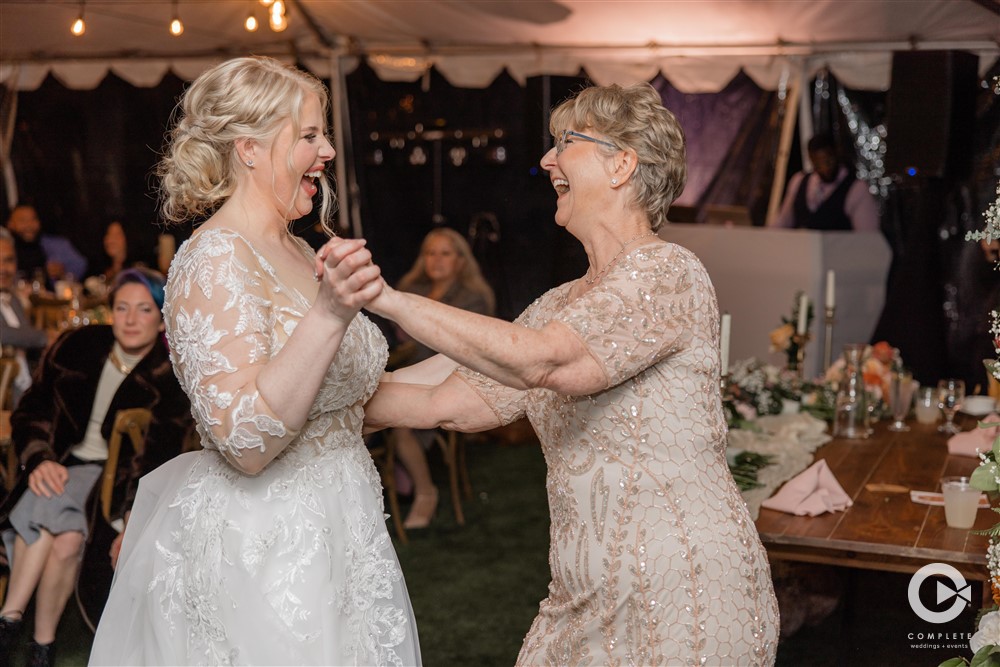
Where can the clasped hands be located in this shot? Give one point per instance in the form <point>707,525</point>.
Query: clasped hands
<point>349,280</point>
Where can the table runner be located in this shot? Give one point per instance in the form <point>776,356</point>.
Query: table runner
<point>790,441</point>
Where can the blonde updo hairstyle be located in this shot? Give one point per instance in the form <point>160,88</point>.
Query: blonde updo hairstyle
<point>242,98</point>
<point>633,117</point>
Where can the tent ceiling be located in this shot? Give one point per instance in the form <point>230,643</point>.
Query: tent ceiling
<point>698,44</point>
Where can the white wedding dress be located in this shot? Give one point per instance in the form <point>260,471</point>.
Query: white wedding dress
<point>293,566</point>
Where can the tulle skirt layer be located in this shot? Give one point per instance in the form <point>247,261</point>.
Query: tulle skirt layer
<point>291,567</point>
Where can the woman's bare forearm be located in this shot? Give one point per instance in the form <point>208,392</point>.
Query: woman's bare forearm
<point>514,355</point>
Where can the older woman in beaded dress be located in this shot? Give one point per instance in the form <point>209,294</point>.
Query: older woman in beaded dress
<point>655,559</point>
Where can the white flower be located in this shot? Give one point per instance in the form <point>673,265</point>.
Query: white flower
<point>988,632</point>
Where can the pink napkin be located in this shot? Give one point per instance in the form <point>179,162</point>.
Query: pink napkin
<point>970,443</point>
<point>813,491</point>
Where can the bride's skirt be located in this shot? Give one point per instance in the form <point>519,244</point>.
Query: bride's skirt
<point>291,567</point>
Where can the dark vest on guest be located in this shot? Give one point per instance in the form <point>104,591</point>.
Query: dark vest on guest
<point>830,215</point>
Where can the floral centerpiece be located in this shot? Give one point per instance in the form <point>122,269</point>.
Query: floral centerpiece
<point>985,642</point>
<point>785,339</point>
<point>878,362</point>
<point>756,388</point>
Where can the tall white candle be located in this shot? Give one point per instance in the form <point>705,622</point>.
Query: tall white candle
<point>831,290</point>
<point>803,314</point>
<point>724,343</point>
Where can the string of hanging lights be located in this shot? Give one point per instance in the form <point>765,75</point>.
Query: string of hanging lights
<point>277,18</point>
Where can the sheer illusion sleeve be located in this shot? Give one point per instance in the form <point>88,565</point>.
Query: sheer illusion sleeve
<point>221,323</point>
<point>645,311</point>
<point>507,404</point>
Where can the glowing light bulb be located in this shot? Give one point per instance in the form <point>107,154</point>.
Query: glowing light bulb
<point>267,3</point>
<point>176,27</point>
<point>278,21</point>
<point>79,27</point>
<point>251,23</point>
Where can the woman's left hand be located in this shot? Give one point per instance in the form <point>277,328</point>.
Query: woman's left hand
<point>48,479</point>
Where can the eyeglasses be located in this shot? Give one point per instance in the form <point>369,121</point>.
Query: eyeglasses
<point>566,134</point>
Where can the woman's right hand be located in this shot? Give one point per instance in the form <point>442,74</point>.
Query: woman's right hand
<point>48,479</point>
<point>348,278</point>
<point>381,304</point>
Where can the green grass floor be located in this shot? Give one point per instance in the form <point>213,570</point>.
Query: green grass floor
<point>475,588</point>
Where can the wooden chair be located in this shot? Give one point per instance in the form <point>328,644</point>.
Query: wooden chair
<point>49,313</point>
<point>452,446</point>
<point>382,447</point>
<point>133,424</point>
<point>9,368</point>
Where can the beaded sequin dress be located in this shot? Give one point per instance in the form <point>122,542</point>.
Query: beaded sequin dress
<point>293,566</point>
<point>654,557</point>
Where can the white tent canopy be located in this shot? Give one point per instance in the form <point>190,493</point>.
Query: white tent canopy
<point>699,45</point>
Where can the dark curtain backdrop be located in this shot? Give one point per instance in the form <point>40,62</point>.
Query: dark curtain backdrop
<point>731,139</point>
<point>83,159</point>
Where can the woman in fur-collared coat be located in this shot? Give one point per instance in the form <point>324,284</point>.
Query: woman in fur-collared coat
<point>60,431</point>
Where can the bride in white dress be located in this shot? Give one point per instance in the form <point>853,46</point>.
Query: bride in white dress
<point>270,545</point>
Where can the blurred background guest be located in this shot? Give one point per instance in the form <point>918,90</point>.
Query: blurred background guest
<point>116,253</point>
<point>17,336</point>
<point>446,271</point>
<point>60,431</point>
<point>829,197</point>
<point>55,255</point>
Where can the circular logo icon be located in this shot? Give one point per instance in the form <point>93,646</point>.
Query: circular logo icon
<point>960,593</point>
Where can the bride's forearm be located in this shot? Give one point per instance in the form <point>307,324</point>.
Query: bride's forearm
<point>509,353</point>
<point>430,371</point>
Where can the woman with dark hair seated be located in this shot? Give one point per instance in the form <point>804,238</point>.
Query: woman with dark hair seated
<point>60,431</point>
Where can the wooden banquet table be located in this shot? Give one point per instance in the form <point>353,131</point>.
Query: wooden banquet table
<point>884,529</point>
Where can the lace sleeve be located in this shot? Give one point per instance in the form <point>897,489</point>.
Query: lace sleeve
<point>221,325</point>
<point>651,307</point>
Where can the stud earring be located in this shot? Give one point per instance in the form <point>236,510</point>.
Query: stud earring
<point>614,181</point>
<point>249,163</point>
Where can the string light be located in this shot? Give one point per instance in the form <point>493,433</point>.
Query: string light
<point>176,27</point>
<point>79,26</point>
<point>250,23</point>
<point>276,9</point>
<point>277,20</point>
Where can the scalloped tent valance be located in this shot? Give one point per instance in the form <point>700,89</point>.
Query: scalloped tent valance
<point>698,46</point>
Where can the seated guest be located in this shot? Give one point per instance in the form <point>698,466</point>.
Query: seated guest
<point>16,333</point>
<point>60,431</point>
<point>828,198</point>
<point>446,271</point>
<point>35,250</point>
<point>116,255</point>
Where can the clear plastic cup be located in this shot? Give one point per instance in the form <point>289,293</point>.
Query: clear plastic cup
<point>961,501</point>
<point>926,405</point>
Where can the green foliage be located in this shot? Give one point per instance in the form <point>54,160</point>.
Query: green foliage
<point>987,656</point>
<point>954,662</point>
<point>745,467</point>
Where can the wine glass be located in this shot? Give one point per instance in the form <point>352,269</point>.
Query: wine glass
<point>901,387</point>
<point>951,393</point>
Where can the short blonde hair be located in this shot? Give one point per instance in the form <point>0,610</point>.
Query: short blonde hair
<point>239,99</point>
<point>633,117</point>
